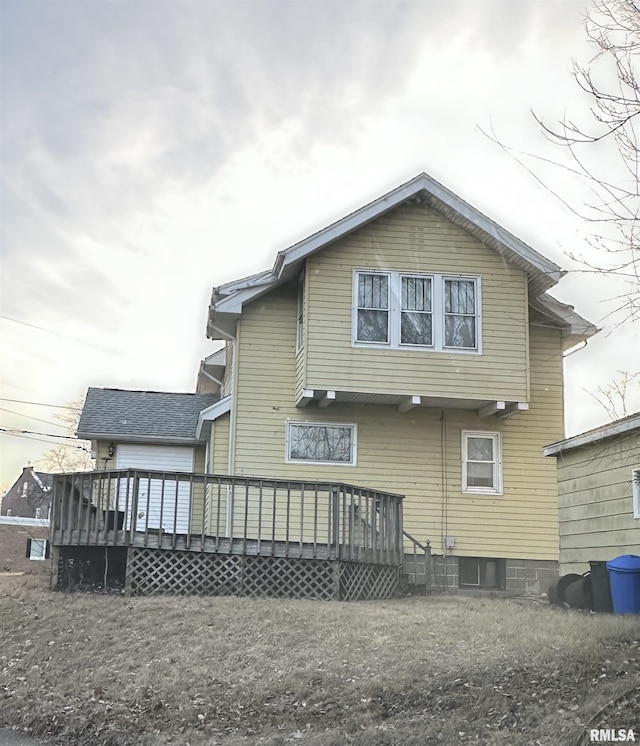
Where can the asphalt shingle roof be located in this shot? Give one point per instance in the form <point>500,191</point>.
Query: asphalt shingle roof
<point>140,415</point>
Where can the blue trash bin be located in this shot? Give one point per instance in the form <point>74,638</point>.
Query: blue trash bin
<point>624,578</point>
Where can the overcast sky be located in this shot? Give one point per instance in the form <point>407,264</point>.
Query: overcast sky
<point>151,150</point>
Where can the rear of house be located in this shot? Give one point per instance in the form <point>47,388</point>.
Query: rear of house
<point>411,349</point>
<point>599,493</point>
<point>404,348</point>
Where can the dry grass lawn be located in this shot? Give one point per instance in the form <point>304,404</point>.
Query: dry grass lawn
<point>110,670</point>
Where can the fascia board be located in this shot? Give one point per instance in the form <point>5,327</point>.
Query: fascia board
<point>15,520</point>
<point>244,282</point>
<point>601,433</point>
<point>233,303</point>
<point>126,438</point>
<point>388,201</point>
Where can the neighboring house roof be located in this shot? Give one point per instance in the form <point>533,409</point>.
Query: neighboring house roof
<point>142,416</point>
<point>610,430</point>
<point>227,300</point>
<point>30,491</point>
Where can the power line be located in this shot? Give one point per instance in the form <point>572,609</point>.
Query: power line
<point>30,417</point>
<point>13,430</point>
<point>36,403</point>
<point>77,340</point>
<point>48,442</point>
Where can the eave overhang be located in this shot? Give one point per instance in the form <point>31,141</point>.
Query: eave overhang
<point>575,329</point>
<point>228,300</point>
<point>138,438</point>
<point>406,402</point>
<point>210,414</point>
<point>610,430</point>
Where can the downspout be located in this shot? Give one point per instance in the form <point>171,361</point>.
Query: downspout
<point>231,463</point>
<point>444,518</point>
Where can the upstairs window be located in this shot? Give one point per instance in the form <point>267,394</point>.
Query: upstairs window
<point>416,311</point>
<point>373,308</point>
<point>404,310</point>
<point>481,463</point>
<point>460,314</point>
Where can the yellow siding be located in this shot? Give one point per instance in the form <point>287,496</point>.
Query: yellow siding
<point>595,498</point>
<point>417,454</point>
<point>301,356</point>
<point>219,447</point>
<point>227,383</point>
<point>416,239</point>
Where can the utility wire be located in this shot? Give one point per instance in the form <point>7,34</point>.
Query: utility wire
<point>36,403</point>
<point>14,430</point>
<point>48,442</point>
<point>30,417</point>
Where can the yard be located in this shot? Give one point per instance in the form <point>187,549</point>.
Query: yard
<point>109,670</point>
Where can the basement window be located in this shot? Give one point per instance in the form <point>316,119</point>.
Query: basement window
<point>479,572</point>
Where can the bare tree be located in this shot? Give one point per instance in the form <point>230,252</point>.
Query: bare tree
<point>74,456</point>
<point>602,144</point>
<point>619,398</point>
<point>603,147</point>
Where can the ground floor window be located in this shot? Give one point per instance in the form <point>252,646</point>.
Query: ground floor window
<point>479,572</point>
<point>37,549</point>
<point>320,443</point>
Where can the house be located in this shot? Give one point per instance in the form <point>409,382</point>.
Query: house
<point>412,349</point>
<point>24,522</point>
<point>598,493</point>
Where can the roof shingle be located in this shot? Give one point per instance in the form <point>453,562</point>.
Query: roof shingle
<point>141,415</point>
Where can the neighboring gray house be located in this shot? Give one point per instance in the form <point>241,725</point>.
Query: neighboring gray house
<point>599,493</point>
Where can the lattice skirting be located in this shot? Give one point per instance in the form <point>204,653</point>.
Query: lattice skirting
<point>360,582</point>
<point>152,571</point>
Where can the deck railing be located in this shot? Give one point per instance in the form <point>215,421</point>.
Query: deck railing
<point>224,514</point>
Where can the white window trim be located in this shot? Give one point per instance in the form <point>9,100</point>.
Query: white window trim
<point>635,490</point>
<point>438,314</point>
<point>44,550</point>
<point>497,472</point>
<point>304,462</point>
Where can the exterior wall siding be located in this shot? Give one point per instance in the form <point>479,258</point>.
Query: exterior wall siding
<point>416,239</point>
<point>417,454</point>
<point>227,383</point>
<point>595,502</point>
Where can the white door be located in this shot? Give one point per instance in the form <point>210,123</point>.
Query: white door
<point>166,508</point>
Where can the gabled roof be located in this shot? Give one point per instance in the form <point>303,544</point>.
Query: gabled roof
<point>610,430</point>
<point>227,300</point>
<point>37,493</point>
<point>142,416</point>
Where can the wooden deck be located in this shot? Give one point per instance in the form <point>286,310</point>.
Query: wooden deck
<point>165,521</point>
